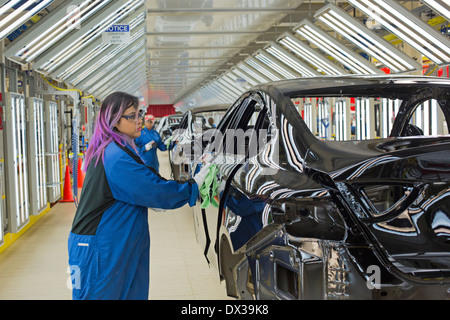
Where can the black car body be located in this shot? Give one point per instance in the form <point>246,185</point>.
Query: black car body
<point>188,138</point>
<point>308,218</point>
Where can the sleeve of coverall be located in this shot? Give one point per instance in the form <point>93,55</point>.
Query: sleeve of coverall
<point>140,145</point>
<point>161,145</point>
<point>135,183</point>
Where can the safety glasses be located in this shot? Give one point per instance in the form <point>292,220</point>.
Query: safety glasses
<point>134,116</point>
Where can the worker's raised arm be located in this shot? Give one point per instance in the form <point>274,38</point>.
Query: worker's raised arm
<point>137,184</point>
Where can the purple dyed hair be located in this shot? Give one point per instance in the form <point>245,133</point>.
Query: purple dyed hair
<point>105,132</point>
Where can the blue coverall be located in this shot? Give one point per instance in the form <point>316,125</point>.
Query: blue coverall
<point>150,157</point>
<point>109,242</point>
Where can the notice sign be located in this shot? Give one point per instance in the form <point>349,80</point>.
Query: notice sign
<point>117,34</point>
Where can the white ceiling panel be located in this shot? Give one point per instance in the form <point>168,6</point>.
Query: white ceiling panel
<point>195,52</point>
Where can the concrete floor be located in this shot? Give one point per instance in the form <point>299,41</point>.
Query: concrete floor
<point>34,267</point>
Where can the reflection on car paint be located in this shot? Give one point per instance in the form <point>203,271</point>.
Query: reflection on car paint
<point>313,218</point>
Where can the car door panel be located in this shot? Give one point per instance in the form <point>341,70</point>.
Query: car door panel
<point>234,205</point>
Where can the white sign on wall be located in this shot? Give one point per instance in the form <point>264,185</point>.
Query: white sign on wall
<point>117,34</point>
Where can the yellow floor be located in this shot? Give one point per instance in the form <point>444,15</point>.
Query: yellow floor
<point>34,267</point>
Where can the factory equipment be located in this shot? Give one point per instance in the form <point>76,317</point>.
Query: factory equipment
<point>52,151</point>
<point>36,153</point>
<point>16,174</point>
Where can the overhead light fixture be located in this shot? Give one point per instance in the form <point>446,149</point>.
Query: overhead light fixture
<point>407,27</point>
<point>366,39</point>
<point>125,75</point>
<point>441,7</point>
<point>59,29</point>
<point>102,51</point>
<point>226,83</point>
<point>98,48</point>
<point>243,75</point>
<point>290,60</point>
<point>92,34</point>
<point>338,51</point>
<point>228,78</point>
<point>92,72</point>
<point>305,52</point>
<point>260,67</point>
<point>252,72</point>
<point>133,61</point>
<point>13,20</point>
<point>272,63</point>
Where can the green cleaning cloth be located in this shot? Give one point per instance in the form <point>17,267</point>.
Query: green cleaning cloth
<point>208,190</point>
<point>167,143</point>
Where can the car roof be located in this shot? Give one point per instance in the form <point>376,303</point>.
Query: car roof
<point>218,107</point>
<point>349,85</point>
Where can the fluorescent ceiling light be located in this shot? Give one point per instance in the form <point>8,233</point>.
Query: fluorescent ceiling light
<point>338,51</point>
<point>91,71</point>
<point>18,21</point>
<point>290,60</point>
<point>441,7</point>
<point>100,49</point>
<point>224,82</point>
<point>323,65</point>
<point>243,75</point>
<point>254,73</point>
<point>407,27</point>
<point>262,68</point>
<point>275,65</point>
<point>226,77</point>
<point>365,39</point>
<point>136,59</point>
<point>92,34</point>
<point>7,6</point>
<point>59,29</point>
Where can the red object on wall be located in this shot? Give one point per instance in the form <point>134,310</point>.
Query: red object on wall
<point>386,70</point>
<point>352,104</point>
<point>161,110</point>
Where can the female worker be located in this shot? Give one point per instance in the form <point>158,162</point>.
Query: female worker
<point>147,143</point>
<point>109,242</point>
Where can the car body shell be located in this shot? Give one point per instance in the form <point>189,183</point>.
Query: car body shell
<point>167,125</point>
<point>310,219</point>
<point>188,138</point>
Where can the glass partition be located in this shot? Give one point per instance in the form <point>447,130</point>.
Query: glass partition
<point>16,162</point>
<point>52,151</point>
<point>36,154</point>
<point>363,118</point>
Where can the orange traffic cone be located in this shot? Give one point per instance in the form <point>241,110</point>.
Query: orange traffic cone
<point>67,197</point>
<point>80,173</point>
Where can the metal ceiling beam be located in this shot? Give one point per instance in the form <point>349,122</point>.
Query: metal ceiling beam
<point>179,11</point>
<point>176,72</point>
<point>185,67</point>
<point>168,48</point>
<point>199,33</point>
<point>188,58</point>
